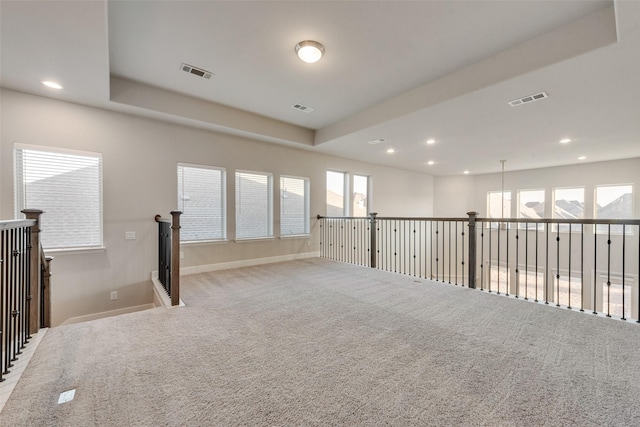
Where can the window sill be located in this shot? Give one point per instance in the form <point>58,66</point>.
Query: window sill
<point>254,239</point>
<point>75,251</point>
<point>295,236</point>
<point>203,242</point>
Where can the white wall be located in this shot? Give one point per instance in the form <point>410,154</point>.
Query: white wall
<point>139,173</point>
<point>455,195</point>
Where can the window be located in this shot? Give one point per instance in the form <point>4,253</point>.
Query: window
<point>336,183</point>
<point>531,206</point>
<point>294,206</point>
<point>254,205</point>
<point>498,206</point>
<point>614,202</point>
<point>359,198</point>
<point>201,198</point>
<point>568,203</point>
<point>67,185</point>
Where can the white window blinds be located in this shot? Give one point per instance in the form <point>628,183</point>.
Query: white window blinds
<point>294,206</point>
<point>201,198</point>
<point>67,186</point>
<point>254,206</point>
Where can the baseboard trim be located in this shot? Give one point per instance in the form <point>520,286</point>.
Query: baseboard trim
<point>160,296</point>
<point>246,263</point>
<point>103,314</point>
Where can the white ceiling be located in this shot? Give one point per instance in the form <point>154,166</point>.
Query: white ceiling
<point>401,71</point>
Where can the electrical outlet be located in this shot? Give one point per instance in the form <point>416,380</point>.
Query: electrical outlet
<point>130,235</point>
<point>114,295</point>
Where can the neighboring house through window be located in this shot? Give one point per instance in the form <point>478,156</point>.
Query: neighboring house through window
<point>614,202</point>
<point>531,206</point>
<point>360,201</point>
<point>568,203</point>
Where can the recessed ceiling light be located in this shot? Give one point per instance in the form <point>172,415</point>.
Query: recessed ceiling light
<point>565,141</point>
<point>52,85</point>
<point>582,157</point>
<point>466,172</point>
<point>431,162</point>
<point>391,150</point>
<point>309,51</point>
<point>431,141</point>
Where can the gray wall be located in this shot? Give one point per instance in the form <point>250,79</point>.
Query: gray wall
<point>140,157</point>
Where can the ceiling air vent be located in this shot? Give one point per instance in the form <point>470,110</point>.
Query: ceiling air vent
<point>528,99</point>
<point>301,107</point>
<point>196,71</point>
<point>376,141</point>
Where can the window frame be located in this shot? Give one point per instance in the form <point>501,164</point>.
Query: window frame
<point>573,227</point>
<point>353,193</point>
<point>345,192</point>
<point>223,197</point>
<point>270,204</point>
<point>19,201</point>
<point>306,201</point>
<point>615,229</point>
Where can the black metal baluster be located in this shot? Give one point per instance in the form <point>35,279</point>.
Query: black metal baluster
<point>581,267</point>
<point>508,266</point>
<point>558,266</point>
<point>526,260</point>
<point>3,265</point>
<point>569,269</point>
<point>414,249</point>
<point>546,268</point>
<point>431,250</point>
<point>608,270</point>
<point>455,271</point>
<point>482,257</point>
<point>462,266</point>
<point>517,260</point>
<point>490,249</point>
<point>536,297</point>
<point>595,268</point>
<point>437,252</point>
<point>624,231</point>
<point>499,227</point>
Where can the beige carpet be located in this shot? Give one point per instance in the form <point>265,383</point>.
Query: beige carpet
<point>316,342</point>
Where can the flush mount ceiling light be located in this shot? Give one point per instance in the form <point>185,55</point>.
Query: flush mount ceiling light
<point>52,85</point>
<point>309,51</point>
